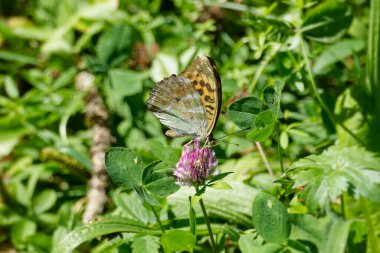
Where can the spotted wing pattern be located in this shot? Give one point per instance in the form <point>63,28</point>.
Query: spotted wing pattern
<point>178,105</point>
<point>204,76</point>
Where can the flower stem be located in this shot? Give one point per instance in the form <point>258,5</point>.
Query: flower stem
<point>157,218</point>
<point>213,245</point>
<point>265,160</point>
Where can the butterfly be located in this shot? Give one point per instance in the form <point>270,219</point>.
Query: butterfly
<point>189,104</point>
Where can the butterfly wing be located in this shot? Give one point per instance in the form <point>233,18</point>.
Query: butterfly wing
<point>205,78</point>
<point>177,104</point>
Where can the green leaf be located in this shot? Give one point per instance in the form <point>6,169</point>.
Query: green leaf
<point>218,177</point>
<point>44,201</point>
<point>147,243</point>
<point>95,229</point>
<point>328,175</point>
<point>234,206</point>
<point>192,218</point>
<point>145,196</point>
<point>249,243</point>
<point>263,127</point>
<point>66,78</point>
<point>163,65</point>
<point>270,218</point>
<point>21,233</point>
<point>133,208</point>
<point>329,233</point>
<point>284,140</point>
<point>126,82</point>
<point>337,52</point>
<point>178,240</point>
<point>168,155</point>
<point>19,58</point>
<point>78,156</point>
<point>270,95</point>
<point>252,244</point>
<point>163,187</point>
<point>328,21</point>
<point>336,236</point>
<point>221,186</point>
<point>11,87</point>
<point>149,175</point>
<point>115,44</point>
<point>243,111</point>
<point>124,167</point>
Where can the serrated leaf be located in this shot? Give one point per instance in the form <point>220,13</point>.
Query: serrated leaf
<point>243,111</point>
<point>124,167</point>
<point>270,218</point>
<point>178,240</point>
<point>328,175</point>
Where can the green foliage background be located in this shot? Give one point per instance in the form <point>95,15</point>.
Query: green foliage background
<point>304,75</point>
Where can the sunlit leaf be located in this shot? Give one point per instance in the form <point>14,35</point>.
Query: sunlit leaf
<point>328,175</point>
<point>270,218</point>
<point>124,167</point>
<point>243,111</point>
<point>178,240</point>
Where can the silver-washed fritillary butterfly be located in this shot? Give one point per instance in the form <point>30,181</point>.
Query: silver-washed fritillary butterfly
<point>189,104</point>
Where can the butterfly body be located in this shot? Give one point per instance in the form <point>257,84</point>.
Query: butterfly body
<point>189,104</point>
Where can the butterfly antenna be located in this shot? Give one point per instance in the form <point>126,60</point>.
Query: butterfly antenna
<point>245,129</point>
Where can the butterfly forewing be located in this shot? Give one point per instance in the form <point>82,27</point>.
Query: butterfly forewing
<point>203,75</point>
<point>178,105</point>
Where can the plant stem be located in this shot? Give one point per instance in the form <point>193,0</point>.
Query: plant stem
<point>213,245</point>
<point>279,152</point>
<point>372,237</point>
<point>373,54</point>
<point>157,218</point>
<point>320,100</point>
<point>265,160</point>
<point>342,207</point>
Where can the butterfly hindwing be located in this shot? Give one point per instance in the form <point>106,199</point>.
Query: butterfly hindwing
<point>204,77</point>
<point>177,104</point>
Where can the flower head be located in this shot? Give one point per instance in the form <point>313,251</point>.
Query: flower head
<point>196,165</point>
